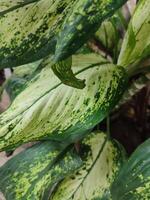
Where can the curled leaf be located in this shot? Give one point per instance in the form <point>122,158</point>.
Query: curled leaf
<point>63,71</point>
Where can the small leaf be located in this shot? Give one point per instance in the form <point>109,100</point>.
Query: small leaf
<point>136,45</point>
<point>32,173</point>
<point>133,182</point>
<point>100,166</point>
<point>63,71</point>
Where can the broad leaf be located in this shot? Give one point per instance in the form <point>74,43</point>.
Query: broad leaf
<point>28,29</point>
<point>32,173</point>
<point>83,20</point>
<point>133,182</point>
<point>136,45</point>
<point>47,109</point>
<point>93,179</point>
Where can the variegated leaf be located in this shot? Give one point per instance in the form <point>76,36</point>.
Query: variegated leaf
<point>31,174</point>
<point>94,178</point>
<point>47,109</point>
<point>83,20</point>
<point>133,182</point>
<point>28,29</point>
<point>136,45</point>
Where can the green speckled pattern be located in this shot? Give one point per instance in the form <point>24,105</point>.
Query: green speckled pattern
<point>136,45</point>
<point>31,174</point>
<point>63,70</point>
<point>60,112</point>
<point>92,181</point>
<point>133,182</point>
<point>28,29</point>
<point>82,21</point>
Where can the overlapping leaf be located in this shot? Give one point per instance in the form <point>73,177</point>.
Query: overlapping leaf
<point>47,109</point>
<point>82,21</point>
<point>93,179</point>
<point>32,173</point>
<point>133,182</point>
<point>136,45</point>
<point>28,29</point>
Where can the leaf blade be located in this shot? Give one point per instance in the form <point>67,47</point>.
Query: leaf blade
<point>93,179</point>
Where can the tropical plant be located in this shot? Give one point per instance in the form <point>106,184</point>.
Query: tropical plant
<point>73,62</point>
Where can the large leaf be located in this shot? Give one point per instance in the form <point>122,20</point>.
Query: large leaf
<point>81,22</point>
<point>32,173</point>
<point>136,45</point>
<point>47,109</point>
<point>28,29</point>
<point>133,182</point>
<point>93,179</point>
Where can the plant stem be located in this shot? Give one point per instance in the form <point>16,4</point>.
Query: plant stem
<point>108,127</point>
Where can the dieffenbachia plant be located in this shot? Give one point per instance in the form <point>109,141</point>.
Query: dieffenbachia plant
<point>133,181</point>
<point>49,34</point>
<point>36,173</point>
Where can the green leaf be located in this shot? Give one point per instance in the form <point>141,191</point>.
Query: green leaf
<point>100,166</point>
<point>63,71</point>
<point>107,35</point>
<point>32,173</point>
<point>48,109</point>
<point>136,45</point>
<point>9,5</point>
<point>83,20</point>
<point>27,33</point>
<point>133,182</point>
<point>18,80</point>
